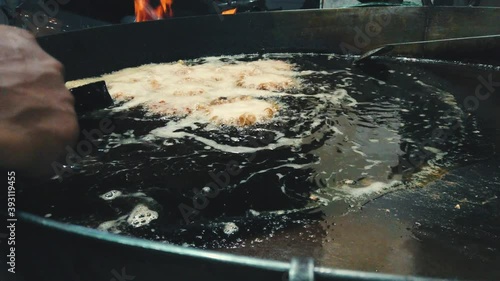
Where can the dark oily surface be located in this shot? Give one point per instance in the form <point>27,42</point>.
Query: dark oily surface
<point>417,231</point>
<point>400,130</point>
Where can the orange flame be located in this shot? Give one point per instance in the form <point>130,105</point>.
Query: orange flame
<point>144,11</point>
<point>229,12</point>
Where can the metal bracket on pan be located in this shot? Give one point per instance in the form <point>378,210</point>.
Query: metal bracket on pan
<point>301,269</point>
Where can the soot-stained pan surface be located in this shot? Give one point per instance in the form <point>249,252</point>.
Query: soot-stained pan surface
<point>392,167</point>
<point>372,186</point>
<point>97,51</point>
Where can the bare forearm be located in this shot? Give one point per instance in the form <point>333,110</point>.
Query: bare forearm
<point>32,149</point>
<point>37,117</point>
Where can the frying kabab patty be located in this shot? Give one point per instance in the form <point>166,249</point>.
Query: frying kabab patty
<point>236,94</point>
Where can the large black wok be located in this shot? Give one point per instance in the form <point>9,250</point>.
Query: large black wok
<point>398,233</point>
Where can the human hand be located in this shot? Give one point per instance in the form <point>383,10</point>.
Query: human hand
<point>37,116</point>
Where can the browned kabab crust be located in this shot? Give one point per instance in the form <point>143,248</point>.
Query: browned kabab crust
<point>235,94</point>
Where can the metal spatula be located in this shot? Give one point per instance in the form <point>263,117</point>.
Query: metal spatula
<point>389,47</point>
<point>91,97</point>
